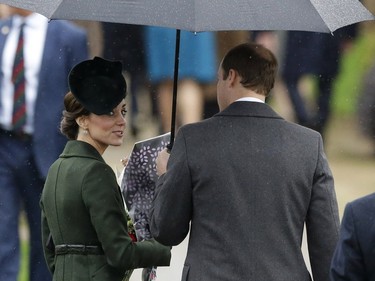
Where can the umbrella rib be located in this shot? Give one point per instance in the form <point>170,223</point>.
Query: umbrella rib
<point>331,29</point>
<point>59,4</point>
<point>57,7</point>
<point>342,17</point>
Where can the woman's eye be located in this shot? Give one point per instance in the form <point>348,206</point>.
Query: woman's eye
<point>123,112</point>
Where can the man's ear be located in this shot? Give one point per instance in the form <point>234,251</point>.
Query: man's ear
<point>232,75</point>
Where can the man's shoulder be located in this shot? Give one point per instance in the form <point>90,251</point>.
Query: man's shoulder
<point>361,209</point>
<point>204,124</point>
<point>368,200</point>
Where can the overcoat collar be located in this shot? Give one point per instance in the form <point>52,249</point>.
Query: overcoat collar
<point>249,109</point>
<point>76,148</point>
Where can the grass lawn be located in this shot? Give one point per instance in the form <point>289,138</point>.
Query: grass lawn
<point>23,275</point>
<point>354,65</point>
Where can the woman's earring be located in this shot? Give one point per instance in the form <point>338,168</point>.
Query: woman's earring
<point>85,132</point>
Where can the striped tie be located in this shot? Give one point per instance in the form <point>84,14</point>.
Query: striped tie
<point>18,79</point>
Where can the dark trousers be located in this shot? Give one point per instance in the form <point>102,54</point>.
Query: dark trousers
<point>298,102</point>
<point>319,117</point>
<point>20,189</point>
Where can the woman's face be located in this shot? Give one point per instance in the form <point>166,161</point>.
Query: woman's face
<point>107,129</point>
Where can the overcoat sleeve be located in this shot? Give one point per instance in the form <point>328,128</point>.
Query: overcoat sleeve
<point>103,200</point>
<point>322,221</point>
<point>171,210</point>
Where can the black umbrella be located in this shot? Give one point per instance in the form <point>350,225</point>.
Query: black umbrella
<point>203,15</point>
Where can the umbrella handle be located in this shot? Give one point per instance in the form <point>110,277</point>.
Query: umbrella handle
<point>175,84</point>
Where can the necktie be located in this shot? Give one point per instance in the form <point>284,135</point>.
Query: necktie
<point>18,79</point>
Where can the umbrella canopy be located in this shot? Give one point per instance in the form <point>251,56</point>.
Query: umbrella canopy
<point>204,15</point>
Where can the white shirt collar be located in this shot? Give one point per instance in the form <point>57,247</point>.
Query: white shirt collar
<point>32,20</point>
<point>251,99</point>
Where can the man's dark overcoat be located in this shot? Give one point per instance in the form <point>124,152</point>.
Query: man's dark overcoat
<point>246,182</point>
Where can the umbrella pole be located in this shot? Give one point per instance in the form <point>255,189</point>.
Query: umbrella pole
<point>175,85</point>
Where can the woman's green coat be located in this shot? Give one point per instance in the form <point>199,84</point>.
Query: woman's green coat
<point>81,204</point>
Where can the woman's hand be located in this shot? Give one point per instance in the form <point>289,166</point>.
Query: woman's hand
<point>161,162</point>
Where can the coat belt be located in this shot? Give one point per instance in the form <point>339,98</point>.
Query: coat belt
<point>65,249</point>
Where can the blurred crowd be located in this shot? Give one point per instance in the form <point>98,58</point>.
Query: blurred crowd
<point>309,64</point>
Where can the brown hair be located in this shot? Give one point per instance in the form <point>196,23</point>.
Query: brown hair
<point>256,65</point>
<point>73,110</point>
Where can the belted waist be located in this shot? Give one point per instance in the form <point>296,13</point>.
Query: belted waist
<point>17,135</point>
<point>65,249</point>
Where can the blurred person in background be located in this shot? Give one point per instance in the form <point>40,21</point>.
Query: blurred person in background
<point>197,63</point>
<point>37,76</point>
<point>125,42</point>
<point>94,31</point>
<point>354,258</point>
<point>316,55</point>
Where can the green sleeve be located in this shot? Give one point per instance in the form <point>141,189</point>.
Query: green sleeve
<point>101,195</point>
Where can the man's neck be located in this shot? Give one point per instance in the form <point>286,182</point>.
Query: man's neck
<point>246,93</point>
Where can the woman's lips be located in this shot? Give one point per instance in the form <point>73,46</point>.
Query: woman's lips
<point>119,133</point>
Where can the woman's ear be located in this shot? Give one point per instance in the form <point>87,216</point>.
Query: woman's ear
<point>82,122</point>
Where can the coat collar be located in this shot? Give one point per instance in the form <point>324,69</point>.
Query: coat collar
<point>76,148</point>
<point>249,109</point>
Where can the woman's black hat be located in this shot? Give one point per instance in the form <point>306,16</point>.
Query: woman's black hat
<point>98,84</point>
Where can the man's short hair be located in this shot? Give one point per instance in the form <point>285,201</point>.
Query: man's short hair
<point>256,65</point>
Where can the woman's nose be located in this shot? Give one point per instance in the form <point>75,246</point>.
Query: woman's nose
<point>121,119</point>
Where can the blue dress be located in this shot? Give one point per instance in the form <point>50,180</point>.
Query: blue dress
<point>198,55</point>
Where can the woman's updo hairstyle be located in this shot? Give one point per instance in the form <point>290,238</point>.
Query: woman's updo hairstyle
<point>73,110</point>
